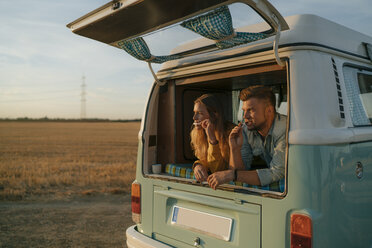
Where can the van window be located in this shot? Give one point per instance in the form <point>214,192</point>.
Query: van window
<point>175,112</point>
<point>358,85</point>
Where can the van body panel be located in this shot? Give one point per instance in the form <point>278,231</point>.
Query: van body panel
<point>145,226</point>
<point>323,180</point>
<point>137,240</point>
<point>316,116</point>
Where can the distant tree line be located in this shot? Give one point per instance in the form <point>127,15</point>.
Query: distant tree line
<point>68,120</point>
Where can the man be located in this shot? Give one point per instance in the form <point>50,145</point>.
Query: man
<point>262,134</point>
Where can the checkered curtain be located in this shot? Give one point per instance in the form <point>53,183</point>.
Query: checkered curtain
<point>358,114</point>
<point>217,25</point>
<point>138,48</point>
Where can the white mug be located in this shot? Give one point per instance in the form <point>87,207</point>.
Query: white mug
<point>156,168</point>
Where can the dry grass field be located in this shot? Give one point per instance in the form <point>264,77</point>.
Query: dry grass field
<point>66,184</point>
<point>66,158</point>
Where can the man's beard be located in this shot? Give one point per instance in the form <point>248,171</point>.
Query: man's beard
<point>255,127</point>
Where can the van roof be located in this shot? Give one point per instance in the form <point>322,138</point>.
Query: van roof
<point>304,29</point>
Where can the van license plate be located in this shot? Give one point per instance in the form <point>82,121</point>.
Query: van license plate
<point>209,224</point>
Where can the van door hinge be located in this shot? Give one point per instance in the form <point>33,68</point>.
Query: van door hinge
<point>160,83</point>
<point>276,19</point>
<point>276,47</point>
<point>116,5</point>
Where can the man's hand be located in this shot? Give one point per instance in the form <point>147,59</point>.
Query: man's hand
<point>236,137</point>
<point>220,177</point>
<point>200,173</point>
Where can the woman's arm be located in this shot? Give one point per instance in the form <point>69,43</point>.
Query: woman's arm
<point>200,171</point>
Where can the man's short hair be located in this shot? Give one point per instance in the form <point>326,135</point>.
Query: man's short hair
<point>260,92</point>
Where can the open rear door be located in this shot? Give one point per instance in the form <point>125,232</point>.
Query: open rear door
<point>122,20</point>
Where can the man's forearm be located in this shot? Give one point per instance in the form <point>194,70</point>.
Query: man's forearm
<point>250,177</point>
<point>236,161</point>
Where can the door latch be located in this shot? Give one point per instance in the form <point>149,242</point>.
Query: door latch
<point>359,170</point>
<point>197,242</point>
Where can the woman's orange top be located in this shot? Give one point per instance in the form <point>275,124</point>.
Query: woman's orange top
<point>215,161</point>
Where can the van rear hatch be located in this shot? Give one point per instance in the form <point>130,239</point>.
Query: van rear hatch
<point>122,20</point>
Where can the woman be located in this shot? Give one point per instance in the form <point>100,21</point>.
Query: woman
<point>209,137</point>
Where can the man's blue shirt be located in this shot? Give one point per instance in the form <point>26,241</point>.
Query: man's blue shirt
<point>271,149</point>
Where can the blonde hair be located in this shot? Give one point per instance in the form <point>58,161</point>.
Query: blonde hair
<point>199,140</point>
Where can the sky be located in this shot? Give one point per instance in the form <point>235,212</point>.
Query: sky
<point>42,62</point>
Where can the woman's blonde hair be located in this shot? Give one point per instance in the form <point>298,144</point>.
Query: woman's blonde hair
<point>199,140</point>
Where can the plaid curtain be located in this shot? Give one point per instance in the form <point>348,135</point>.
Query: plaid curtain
<point>217,25</point>
<point>138,48</point>
<point>278,186</point>
<point>358,114</point>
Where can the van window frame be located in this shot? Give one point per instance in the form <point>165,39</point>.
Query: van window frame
<point>234,188</point>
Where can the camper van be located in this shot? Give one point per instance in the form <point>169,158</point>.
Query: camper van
<point>321,75</point>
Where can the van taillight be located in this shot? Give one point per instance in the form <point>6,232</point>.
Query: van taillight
<point>136,202</point>
<point>301,231</point>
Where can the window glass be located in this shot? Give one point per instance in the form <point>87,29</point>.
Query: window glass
<point>358,85</point>
<point>365,86</point>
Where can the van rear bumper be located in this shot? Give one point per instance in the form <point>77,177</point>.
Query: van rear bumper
<point>137,240</point>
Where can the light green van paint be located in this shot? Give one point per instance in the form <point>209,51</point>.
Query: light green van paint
<point>321,183</point>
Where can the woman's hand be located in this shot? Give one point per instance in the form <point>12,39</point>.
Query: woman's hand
<point>200,173</point>
<point>209,130</point>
